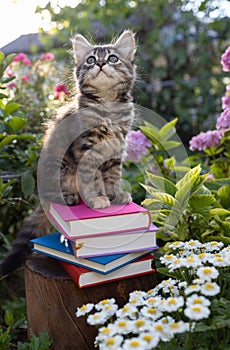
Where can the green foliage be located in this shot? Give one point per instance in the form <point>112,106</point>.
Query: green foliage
<point>5,339</point>
<point>188,209</point>
<point>42,342</point>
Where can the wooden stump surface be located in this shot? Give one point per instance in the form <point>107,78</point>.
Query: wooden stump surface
<point>52,300</point>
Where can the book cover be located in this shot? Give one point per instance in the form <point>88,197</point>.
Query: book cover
<point>79,220</point>
<point>115,243</point>
<point>86,278</point>
<point>52,246</point>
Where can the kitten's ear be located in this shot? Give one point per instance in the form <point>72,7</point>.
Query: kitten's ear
<point>126,44</point>
<point>80,47</point>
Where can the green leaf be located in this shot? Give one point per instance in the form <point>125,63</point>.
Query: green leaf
<point>9,58</point>
<point>170,144</point>
<point>162,184</point>
<point>192,173</point>
<point>27,183</point>
<point>224,196</point>
<point>8,139</point>
<point>219,212</point>
<point>16,123</point>
<point>200,201</point>
<point>168,130</point>
<point>9,318</point>
<point>10,108</point>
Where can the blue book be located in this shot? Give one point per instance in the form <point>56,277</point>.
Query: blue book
<point>52,245</point>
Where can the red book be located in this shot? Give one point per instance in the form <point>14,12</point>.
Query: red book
<point>79,221</point>
<point>86,278</point>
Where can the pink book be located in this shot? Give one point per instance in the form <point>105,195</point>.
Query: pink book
<point>80,221</point>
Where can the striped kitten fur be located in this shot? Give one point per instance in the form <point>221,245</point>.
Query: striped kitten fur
<point>84,145</point>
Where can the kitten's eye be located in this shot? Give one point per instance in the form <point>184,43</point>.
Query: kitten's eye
<point>91,60</point>
<point>112,58</point>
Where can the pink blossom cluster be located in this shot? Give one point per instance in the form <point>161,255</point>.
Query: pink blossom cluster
<point>22,57</point>
<point>223,122</point>
<point>47,56</point>
<point>137,146</point>
<point>225,60</point>
<point>205,140</point>
<point>60,90</point>
<point>213,138</point>
<point>226,98</point>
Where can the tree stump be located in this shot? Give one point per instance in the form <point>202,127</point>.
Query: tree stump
<point>52,299</point>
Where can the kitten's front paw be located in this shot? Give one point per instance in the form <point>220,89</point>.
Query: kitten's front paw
<point>71,199</point>
<point>122,198</point>
<point>99,202</point>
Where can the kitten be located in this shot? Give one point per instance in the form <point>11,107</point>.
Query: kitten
<point>84,145</point>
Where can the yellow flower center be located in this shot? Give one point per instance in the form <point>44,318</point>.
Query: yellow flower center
<point>196,309</point>
<point>147,338</point>
<point>134,343</point>
<point>197,301</point>
<point>140,323</point>
<point>159,328</point>
<point>104,302</point>
<point>152,311</point>
<point>83,308</point>
<point>207,270</point>
<point>110,341</point>
<point>122,324</point>
<point>190,259</point>
<point>106,330</point>
<point>168,257</point>
<point>208,286</point>
<point>174,325</point>
<point>172,301</point>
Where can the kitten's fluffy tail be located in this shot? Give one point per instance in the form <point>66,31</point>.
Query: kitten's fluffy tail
<point>35,225</point>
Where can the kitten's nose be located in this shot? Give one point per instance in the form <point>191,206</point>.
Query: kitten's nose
<point>101,63</point>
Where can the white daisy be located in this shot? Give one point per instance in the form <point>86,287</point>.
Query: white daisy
<point>213,246</point>
<point>123,326</point>
<point>167,259</point>
<point>134,343</point>
<point>176,245</point>
<point>137,298</point>
<point>140,325</point>
<point>207,273</point>
<point>97,318</point>
<point>161,329</point>
<point>172,304</point>
<point>105,332</point>
<point>84,309</point>
<point>151,340</point>
<point>195,287</point>
<point>103,303</point>
<point>197,312</point>
<point>196,299</point>
<point>218,260</point>
<point>204,257</point>
<point>192,261</point>
<point>178,327</point>
<point>176,264</point>
<point>127,310</point>
<point>151,312</point>
<point>112,343</point>
<point>153,301</point>
<point>192,245</point>
<point>210,289</point>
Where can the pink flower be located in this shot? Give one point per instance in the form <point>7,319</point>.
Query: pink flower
<point>47,56</point>
<point>59,90</point>
<point>20,57</point>
<point>223,122</point>
<point>11,85</point>
<point>225,60</point>
<point>226,98</point>
<point>25,78</point>
<point>9,72</point>
<point>205,140</point>
<point>137,146</point>
<point>26,62</point>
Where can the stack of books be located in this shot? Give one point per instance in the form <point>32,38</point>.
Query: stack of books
<point>98,246</point>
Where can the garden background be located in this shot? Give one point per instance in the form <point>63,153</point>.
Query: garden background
<point>180,77</point>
